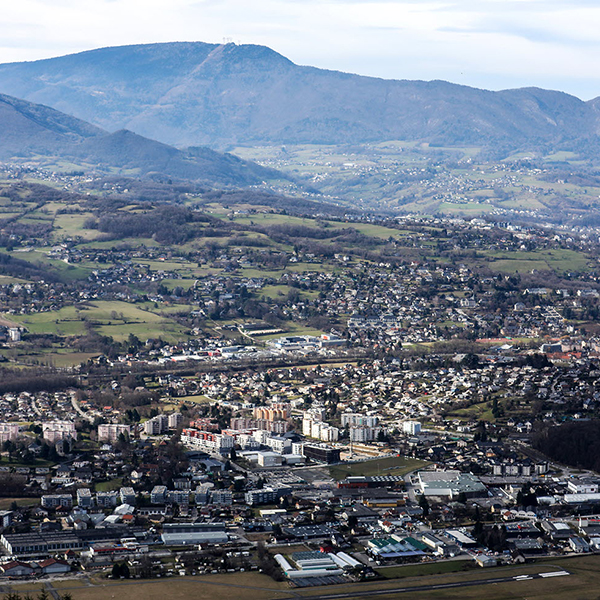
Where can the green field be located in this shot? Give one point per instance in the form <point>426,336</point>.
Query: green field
<point>250,586</point>
<point>194,399</point>
<point>109,486</point>
<point>420,570</point>
<point>583,583</point>
<point>113,318</point>
<point>559,260</point>
<point>6,503</point>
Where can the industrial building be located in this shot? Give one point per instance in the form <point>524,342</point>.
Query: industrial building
<point>190,534</point>
<point>450,484</point>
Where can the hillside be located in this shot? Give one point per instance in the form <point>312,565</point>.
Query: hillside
<point>27,128</point>
<point>126,150</point>
<point>38,133</point>
<point>188,94</point>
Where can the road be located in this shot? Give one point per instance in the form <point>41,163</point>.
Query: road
<point>77,409</point>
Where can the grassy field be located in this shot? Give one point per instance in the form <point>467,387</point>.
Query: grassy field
<point>559,260</point>
<point>114,318</point>
<point>109,486</point>
<point>6,503</point>
<point>194,399</point>
<point>66,359</point>
<point>393,465</point>
<point>582,584</point>
<point>481,411</point>
<point>419,570</point>
<point>250,586</point>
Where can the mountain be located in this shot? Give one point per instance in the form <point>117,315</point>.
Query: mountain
<point>127,150</point>
<point>29,130</point>
<point>192,93</point>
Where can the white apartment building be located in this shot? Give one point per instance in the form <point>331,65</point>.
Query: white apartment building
<point>175,420</point>
<point>411,427</point>
<point>110,432</point>
<point>207,441</point>
<point>156,425</point>
<point>365,434</point>
<point>55,431</point>
<point>279,444</point>
<point>8,431</point>
<point>358,420</point>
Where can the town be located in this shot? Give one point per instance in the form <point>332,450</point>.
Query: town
<point>322,400</point>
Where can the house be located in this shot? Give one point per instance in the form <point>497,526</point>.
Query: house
<point>52,566</point>
<point>484,560</point>
<point>16,568</point>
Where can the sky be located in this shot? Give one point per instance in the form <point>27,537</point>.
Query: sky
<point>491,44</point>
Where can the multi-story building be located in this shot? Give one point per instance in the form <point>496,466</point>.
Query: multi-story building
<point>202,494</point>
<point>266,495</point>
<point>247,442</point>
<point>156,425</point>
<point>127,495</point>
<point>278,427</point>
<point>110,432</point>
<point>365,434</point>
<point>261,436</point>
<point>321,453</point>
<point>242,423</point>
<point>275,412</point>
<point>205,424</point>
<point>56,431</point>
<point>56,500</point>
<point>279,444</point>
<point>84,498</point>
<point>158,495</point>
<point>411,427</point>
<point>8,431</point>
<point>223,497</point>
<point>106,499</point>
<point>583,486</point>
<point>323,431</point>
<point>179,496</point>
<point>175,420</point>
<point>358,420</point>
<point>207,441</point>
<point>307,424</point>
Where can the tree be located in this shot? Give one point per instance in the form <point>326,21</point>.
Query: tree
<point>424,504</point>
<point>478,529</point>
<point>481,432</point>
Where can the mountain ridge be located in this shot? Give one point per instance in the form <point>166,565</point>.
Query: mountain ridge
<point>223,95</point>
<point>34,131</point>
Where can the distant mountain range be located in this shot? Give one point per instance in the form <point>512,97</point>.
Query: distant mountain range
<point>190,94</point>
<point>29,130</point>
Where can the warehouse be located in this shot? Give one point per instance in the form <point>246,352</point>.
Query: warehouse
<point>189,534</point>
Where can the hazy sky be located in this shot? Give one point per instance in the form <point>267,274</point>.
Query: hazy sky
<point>493,44</point>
